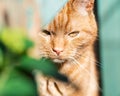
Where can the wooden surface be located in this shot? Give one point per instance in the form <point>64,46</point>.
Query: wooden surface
<point>19,13</point>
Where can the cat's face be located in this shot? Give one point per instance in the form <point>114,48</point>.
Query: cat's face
<point>68,35</point>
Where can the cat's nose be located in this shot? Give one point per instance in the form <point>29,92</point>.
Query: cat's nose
<point>57,50</point>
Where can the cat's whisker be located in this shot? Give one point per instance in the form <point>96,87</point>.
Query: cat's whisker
<point>83,67</point>
<point>96,62</point>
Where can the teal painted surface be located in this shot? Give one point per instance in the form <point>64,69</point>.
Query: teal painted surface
<point>49,9</point>
<point>109,16</point>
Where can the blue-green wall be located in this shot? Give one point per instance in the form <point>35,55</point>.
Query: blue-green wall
<point>109,22</point>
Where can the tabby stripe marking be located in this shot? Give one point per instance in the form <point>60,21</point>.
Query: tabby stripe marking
<point>47,87</point>
<point>56,86</point>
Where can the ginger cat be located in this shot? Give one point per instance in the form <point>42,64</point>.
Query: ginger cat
<point>69,41</point>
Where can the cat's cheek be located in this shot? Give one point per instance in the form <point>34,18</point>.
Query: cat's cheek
<point>44,38</point>
<point>47,39</point>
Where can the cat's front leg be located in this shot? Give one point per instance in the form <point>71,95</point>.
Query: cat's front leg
<point>47,86</point>
<point>42,85</point>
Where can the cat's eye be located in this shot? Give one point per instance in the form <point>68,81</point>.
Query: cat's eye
<point>73,34</point>
<point>46,32</point>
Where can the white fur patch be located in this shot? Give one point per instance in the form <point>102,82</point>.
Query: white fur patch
<point>58,61</point>
<point>83,11</point>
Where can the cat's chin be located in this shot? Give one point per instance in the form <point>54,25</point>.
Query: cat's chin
<point>58,61</point>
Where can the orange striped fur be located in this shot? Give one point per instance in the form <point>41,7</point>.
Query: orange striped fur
<point>68,40</point>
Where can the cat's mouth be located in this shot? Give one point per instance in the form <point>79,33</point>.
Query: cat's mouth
<point>56,60</point>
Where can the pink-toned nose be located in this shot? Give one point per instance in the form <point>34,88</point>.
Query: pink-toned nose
<point>57,51</point>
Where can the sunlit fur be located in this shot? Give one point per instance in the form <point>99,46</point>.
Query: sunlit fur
<point>76,60</point>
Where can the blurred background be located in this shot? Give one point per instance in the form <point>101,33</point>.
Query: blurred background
<point>19,20</point>
<point>109,36</point>
<point>25,14</point>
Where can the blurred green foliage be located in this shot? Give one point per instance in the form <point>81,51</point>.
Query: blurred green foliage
<point>17,68</point>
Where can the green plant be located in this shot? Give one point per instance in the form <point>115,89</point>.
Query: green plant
<point>17,68</point>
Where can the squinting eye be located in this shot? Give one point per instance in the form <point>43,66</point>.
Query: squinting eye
<point>73,34</point>
<point>46,32</point>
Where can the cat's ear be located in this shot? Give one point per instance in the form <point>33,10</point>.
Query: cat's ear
<point>83,6</point>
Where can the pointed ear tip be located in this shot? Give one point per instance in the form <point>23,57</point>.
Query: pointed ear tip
<point>84,3</point>
<point>88,6</point>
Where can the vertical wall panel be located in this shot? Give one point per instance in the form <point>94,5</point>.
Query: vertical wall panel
<point>109,17</point>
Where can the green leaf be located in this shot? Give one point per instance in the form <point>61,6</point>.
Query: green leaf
<point>1,58</point>
<point>18,85</point>
<point>15,40</point>
<point>28,43</point>
<point>12,81</point>
<point>46,66</point>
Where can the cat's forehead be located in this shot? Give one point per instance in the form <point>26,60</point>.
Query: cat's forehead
<point>60,23</point>
<point>67,20</point>
<point>67,23</point>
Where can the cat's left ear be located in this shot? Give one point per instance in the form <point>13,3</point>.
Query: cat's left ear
<point>83,6</point>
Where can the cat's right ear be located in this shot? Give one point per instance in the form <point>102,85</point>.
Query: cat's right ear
<point>83,6</point>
